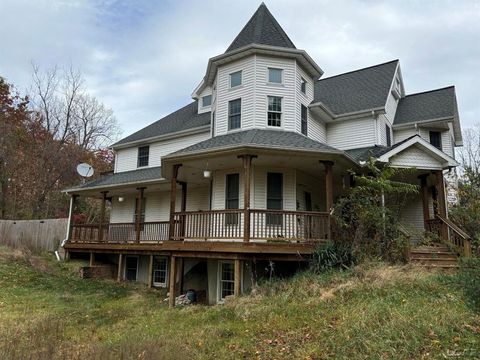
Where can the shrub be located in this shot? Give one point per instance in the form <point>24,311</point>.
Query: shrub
<point>333,255</point>
<point>469,279</point>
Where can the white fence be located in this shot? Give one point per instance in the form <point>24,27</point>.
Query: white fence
<point>39,235</point>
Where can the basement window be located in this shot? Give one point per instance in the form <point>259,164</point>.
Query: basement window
<point>143,155</point>
<point>131,268</point>
<point>159,271</point>
<point>226,279</point>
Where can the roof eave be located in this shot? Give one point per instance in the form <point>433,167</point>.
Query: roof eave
<point>113,186</point>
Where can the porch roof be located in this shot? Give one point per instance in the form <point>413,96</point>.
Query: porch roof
<point>136,177</point>
<point>259,138</point>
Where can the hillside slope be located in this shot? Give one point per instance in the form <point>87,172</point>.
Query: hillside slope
<point>47,312</point>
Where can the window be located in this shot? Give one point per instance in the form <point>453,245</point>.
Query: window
<point>131,268</point>
<point>274,111</point>
<point>207,100</point>
<point>227,279</point>
<point>304,120</point>
<point>389,135</point>
<point>274,197</point>
<point>213,121</point>
<point>232,196</point>
<point>275,75</point>
<point>234,114</point>
<point>143,154</point>
<point>303,85</point>
<point>436,139</point>
<point>236,79</point>
<point>159,271</point>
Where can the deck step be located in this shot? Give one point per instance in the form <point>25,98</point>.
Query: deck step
<point>435,256</point>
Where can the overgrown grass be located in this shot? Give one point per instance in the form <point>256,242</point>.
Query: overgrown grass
<point>375,311</point>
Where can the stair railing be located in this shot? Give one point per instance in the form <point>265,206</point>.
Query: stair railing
<point>457,237</point>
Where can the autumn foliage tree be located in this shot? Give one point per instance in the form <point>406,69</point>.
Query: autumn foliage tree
<point>44,136</point>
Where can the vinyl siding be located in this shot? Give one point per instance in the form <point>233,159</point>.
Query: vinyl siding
<point>411,217</point>
<point>447,137</point>
<point>260,187</point>
<point>205,92</point>
<point>351,134</point>
<point>415,157</point>
<point>315,186</point>
<point>126,159</point>
<point>246,92</point>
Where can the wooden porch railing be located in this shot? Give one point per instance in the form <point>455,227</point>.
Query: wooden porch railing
<point>120,232</point>
<point>269,225</point>
<point>451,234</point>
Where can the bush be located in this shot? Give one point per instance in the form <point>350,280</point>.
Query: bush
<point>333,255</point>
<point>469,279</point>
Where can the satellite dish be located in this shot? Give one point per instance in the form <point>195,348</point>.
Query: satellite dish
<point>85,170</point>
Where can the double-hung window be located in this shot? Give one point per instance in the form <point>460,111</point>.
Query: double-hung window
<point>304,120</point>
<point>234,114</point>
<point>274,197</point>
<point>232,197</point>
<point>275,76</point>
<point>159,271</point>
<point>274,111</point>
<point>143,155</point>
<point>436,139</point>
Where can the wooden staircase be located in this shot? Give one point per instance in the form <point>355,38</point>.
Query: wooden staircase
<point>434,256</point>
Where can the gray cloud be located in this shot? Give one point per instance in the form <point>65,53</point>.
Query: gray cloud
<point>144,58</point>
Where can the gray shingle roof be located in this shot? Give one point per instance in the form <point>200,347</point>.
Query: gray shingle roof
<point>357,90</point>
<point>428,105</point>
<point>362,154</point>
<point>183,119</point>
<point>258,137</point>
<point>125,177</point>
<point>262,29</point>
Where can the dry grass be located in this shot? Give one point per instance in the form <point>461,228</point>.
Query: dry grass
<point>373,311</point>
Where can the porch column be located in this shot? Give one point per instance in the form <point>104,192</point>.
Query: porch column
<point>120,265</point>
<point>247,175</point>
<point>237,290</point>
<point>440,186</point>
<point>171,281</point>
<point>150,271</point>
<point>424,194</point>
<point>138,219</point>
<point>173,198</point>
<point>183,207</point>
<point>328,184</point>
<point>92,259</point>
<point>73,200</point>
<point>102,216</point>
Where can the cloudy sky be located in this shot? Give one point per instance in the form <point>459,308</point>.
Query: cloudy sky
<point>143,58</point>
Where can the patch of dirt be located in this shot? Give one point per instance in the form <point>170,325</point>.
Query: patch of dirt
<point>40,264</point>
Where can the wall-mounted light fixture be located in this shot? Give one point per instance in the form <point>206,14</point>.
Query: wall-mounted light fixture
<point>121,198</point>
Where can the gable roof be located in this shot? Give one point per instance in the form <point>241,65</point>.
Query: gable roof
<point>185,118</point>
<point>272,139</point>
<point>363,89</point>
<point>363,154</point>
<point>429,105</point>
<point>262,29</point>
<point>136,176</point>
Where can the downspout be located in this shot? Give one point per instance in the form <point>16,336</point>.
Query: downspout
<point>70,214</point>
<point>375,121</point>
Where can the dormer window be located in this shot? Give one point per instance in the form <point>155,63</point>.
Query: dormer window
<point>206,100</point>
<point>275,76</point>
<point>236,79</point>
<point>303,85</point>
<point>274,111</point>
<point>143,155</point>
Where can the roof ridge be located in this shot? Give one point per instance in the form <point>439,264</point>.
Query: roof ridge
<point>430,91</point>
<point>357,70</point>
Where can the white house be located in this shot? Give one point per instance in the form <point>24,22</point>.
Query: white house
<point>249,170</point>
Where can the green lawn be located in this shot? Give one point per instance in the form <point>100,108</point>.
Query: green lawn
<point>371,312</point>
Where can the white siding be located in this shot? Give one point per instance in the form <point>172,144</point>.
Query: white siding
<point>402,134</point>
<point>198,198</point>
<point>287,91</point>
<point>122,211</point>
<point>447,137</point>
<point>203,109</point>
<point>246,92</point>
<point>351,134</point>
<point>411,216</point>
<point>391,108</point>
<point>415,157</point>
<point>219,185</point>
<point>259,200</point>
<point>315,186</point>
<point>127,158</point>
<point>317,129</point>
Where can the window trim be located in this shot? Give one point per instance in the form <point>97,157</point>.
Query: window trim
<point>143,156</point>
<point>220,282</point>
<point>125,267</point>
<point>281,76</point>
<point>203,103</point>
<point>230,79</point>
<point>275,111</point>
<point>303,85</point>
<point>157,284</point>
<point>236,114</point>
<point>302,121</point>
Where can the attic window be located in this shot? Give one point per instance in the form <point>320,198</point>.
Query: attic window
<point>303,85</point>
<point>207,100</point>
<point>236,79</point>
<point>143,155</point>
<point>275,76</point>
